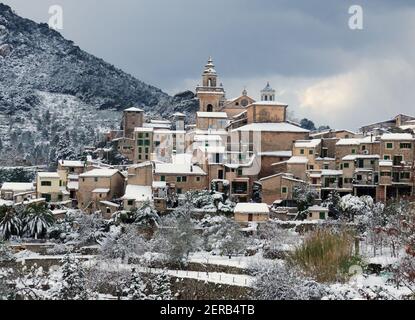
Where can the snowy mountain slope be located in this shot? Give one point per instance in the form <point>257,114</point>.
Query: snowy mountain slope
<point>40,70</point>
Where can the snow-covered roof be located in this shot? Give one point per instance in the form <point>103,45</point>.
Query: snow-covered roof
<point>134,109</point>
<point>137,193</point>
<point>317,208</point>
<point>355,141</point>
<point>297,160</point>
<point>159,184</point>
<point>99,173</point>
<point>220,115</point>
<point>271,127</point>
<point>247,208</point>
<point>178,114</point>
<point>328,172</point>
<point>17,186</point>
<point>283,154</point>
<point>325,159</point>
<point>385,163</point>
<point>269,103</point>
<point>307,143</point>
<point>101,190</point>
<point>352,157</point>
<point>397,136</point>
<point>50,175</point>
<point>110,204</point>
<point>144,129</point>
<point>6,203</point>
<point>72,163</point>
<point>179,169</point>
<point>73,185</point>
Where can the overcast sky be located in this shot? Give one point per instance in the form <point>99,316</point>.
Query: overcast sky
<point>318,65</point>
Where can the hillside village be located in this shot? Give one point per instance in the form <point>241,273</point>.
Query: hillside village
<point>242,160</point>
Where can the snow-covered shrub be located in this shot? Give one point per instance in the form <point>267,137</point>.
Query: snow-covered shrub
<point>124,245</point>
<point>5,253</point>
<point>285,283</point>
<point>223,235</point>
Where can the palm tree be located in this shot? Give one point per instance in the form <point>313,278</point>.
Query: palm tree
<point>10,223</point>
<point>37,218</point>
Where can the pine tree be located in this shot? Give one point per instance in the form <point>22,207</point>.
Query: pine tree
<point>73,280</point>
<point>137,288</point>
<point>161,287</point>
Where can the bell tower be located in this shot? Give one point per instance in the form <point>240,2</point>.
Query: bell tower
<point>211,95</point>
<point>268,94</point>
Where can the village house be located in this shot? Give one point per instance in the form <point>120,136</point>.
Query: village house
<point>279,187</point>
<point>17,191</point>
<point>251,212</point>
<point>135,196</point>
<point>317,213</point>
<point>99,185</point>
<point>49,186</point>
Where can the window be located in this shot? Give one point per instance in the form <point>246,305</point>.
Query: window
<point>363,148</point>
<point>239,172</point>
<point>46,196</point>
<point>310,152</point>
<point>389,145</point>
<point>184,179</point>
<point>311,167</point>
<point>140,150</point>
<point>140,135</point>
<point>346,165</point>
<point>147,135</point>
<point>60,197</point>
<point>359,177</point>
<point>322,215</point>
<point>162,178</point>
<point>179,191</point>
<point>147,142</point>
<point>198,179</point>
<point>284,190</point>
<point>139,157</point>
<point>405,175</point>
<point>146,150</point>
<point>130,202</point>
<point>46,184</point>
<point>386,157</point>
<point>302,151</point>
<point>60,183</point>
<point>326,167</point>
<point>406,145</point>
<point>140,142</point>
<point>353,151</point>
<point>96,179</point>
<point>178,179</point>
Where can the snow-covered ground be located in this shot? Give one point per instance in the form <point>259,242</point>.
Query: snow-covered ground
<point>215,277</point>
<point>237,262</point>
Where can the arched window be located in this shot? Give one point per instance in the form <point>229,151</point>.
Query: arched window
<point>209,108</point>
<point>209,82</point>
